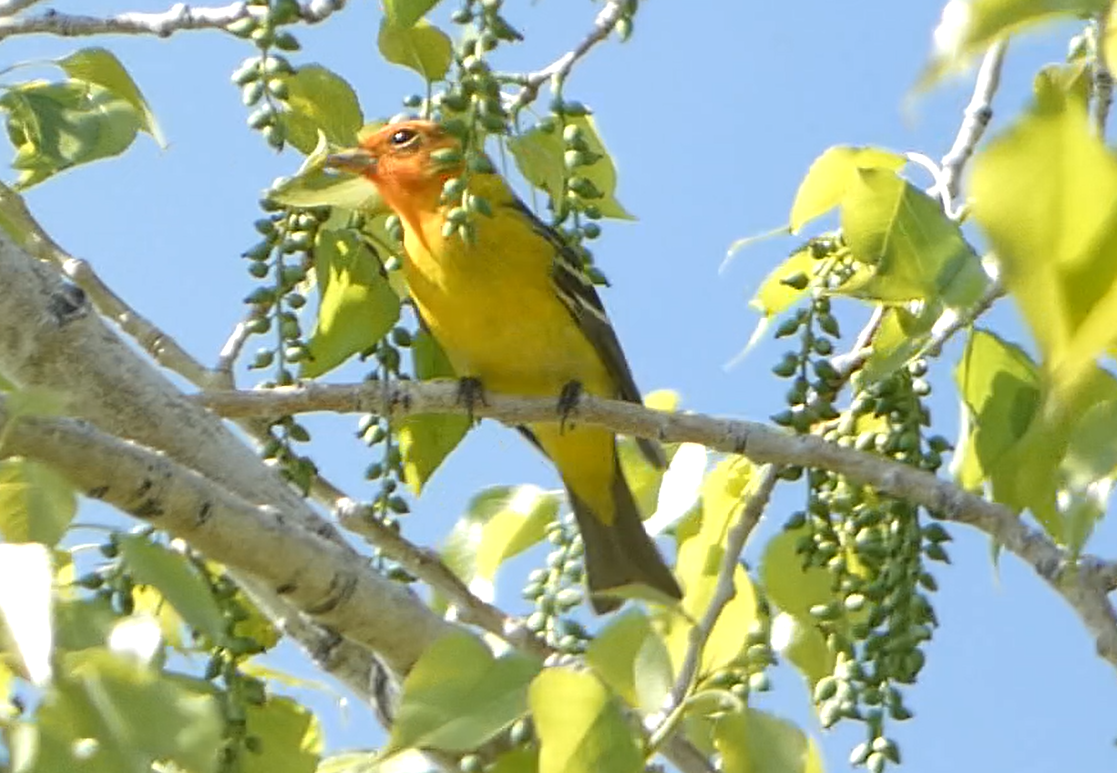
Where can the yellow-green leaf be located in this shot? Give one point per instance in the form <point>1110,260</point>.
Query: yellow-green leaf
<point>404,13</point>
<point>56,126</point>
<point>152,564</point>
<point>320,100</point>
<point>290,737</point>
<point>100,66</point>
<point>919,253</point>
<point>358,307</point>
<point>458,695</point>
<point>1046,195</point>
<point>36,503</point>
<point>539,157</point>
<point>427,439</point>
<point>580,726</point>
<point>632,659</point>
<point>755,741</point>
<point>421,47</point>
<point>724,493</point>
<point>830,176</point>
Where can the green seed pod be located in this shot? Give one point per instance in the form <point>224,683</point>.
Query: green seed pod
<point>568,598</point>
<point>798,281</point>
<point>263,36</point>
<point>258,269</point>
<point>479,204</point>
<point>461,16</point>
<point>252,92</point>
<point>547,125</point>
<point>284,12</point>
<point>479,164</point>
<point>788,327</point>
<point>275,135</point>
<point>623,28</point>
<point>572,159</point>
<point>279,89</point>
<point>261,295</point>
<point>788,366</point>
<point>277,65</point>
<point>242,27</point>
<point>285,41</point>
<point>859,754</point>
<point>261,117</point>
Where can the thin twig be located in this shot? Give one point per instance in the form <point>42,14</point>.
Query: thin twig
<point>978,114</point>
<point>12,7</point>
<point>1103,78</point>
<point>941,334</point>
<point>223,371</point>
<point>177,18</point>
<point>1080,582</point>
<point>724,591</point>
<point>603,24</point>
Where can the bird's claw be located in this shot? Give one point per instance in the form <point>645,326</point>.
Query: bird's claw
<point>471,393</point>
<point>568,400</point>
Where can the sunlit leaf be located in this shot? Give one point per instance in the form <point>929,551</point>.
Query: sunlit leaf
<point>290,737</point>
<point>55,126</point>
<point>458,695</point>
<point>830,176</point>
<point>421,47</point>
<point>580,726</point>
<point>26,605</point>
<point>539,157</point>
<point>180,584</point>
<point>404,13</point>
<point>357,308</point>
<point>36,503</point>
<point>1045,192</point>
<point>426,439</point>
<point>917,251</point>
<point>100,66</point>
<point>755,741</point>
<point>902,336</point>
<point>320,100</point>
<point>630,657</point>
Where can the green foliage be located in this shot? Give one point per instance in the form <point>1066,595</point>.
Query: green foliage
<point>36,503</point>
<point>831,176</point>
<point>100,66</point>
<point>320,101</point>
<point>420,46</point>
<point>458,696</point>
<point>752,741</point>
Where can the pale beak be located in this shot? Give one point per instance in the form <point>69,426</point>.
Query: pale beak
<point>357,160</point>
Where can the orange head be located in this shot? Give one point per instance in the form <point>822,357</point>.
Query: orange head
<point>398,159</point>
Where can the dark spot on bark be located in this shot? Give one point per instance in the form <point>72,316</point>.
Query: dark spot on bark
<point>149,508</point>
<point>97,493</point>
<point>144,487</point>
<point>285,588</point>
<point>741,443</point>
<point>341,588</point>
<point>205,512</point>
<point>68,304</point>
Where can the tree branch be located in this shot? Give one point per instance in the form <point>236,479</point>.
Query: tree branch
<point>177,18</point>
<point>1103,78</point>
<point>12,7</point>
<point>978,114</point>
<point>1083,584</point>
<point>604,23</point>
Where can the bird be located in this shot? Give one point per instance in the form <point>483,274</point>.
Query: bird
<point>515,313</point>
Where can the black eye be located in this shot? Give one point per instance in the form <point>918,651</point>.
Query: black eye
<point>402,137</point>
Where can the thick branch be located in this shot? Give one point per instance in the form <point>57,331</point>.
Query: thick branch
<point>177,18</point>
<point>1084,584</point>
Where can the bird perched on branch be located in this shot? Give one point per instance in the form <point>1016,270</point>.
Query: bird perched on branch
<point>515,312</point>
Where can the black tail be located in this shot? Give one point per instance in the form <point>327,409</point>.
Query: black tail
<point>620,553</point>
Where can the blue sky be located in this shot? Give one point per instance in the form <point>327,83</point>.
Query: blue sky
<point>713,115</point>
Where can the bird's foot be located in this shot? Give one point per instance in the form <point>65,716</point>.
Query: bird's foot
<point>471,393</point>
<point>568,400</point>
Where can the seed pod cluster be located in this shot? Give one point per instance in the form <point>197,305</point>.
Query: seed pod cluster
<point>282,260</point>
<point>556,590</point>
<point>875,548</point>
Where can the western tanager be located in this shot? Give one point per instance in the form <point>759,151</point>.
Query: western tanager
<point>513,309</point>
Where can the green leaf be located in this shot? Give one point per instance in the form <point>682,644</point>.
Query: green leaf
<point>831,175</point>
<point>616,655</point>
<point>421,47</point>
<point>1046,195</point>
<point>755,741</point>
<point>724,493</point>
<point>36,503</point>
<point>919,253</point>
<point>358,307</point>
<point>539,157</point>
<point>26,577</point>
<point>775,296</point>
<point>500,522</point>
<point>580,726</point>
<point>350,762</point>
<point>405,13</point>
<point>55,126</point>
<point>320,100</point>
<point>318,188</point>
<point>1056,83</point>
<point>290,738</point>
<point>100,66</point>
<point>458,695</point>
<point>794,590</point>
<point>902,336</point>
<point>136,716</point>
<point>643,477</point>
<point>968,28</point>
<point>427,439</point>
<point>152,564</point>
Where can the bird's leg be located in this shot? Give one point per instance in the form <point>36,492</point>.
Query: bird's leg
<point>568,400</point>
<point>471,393</point>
